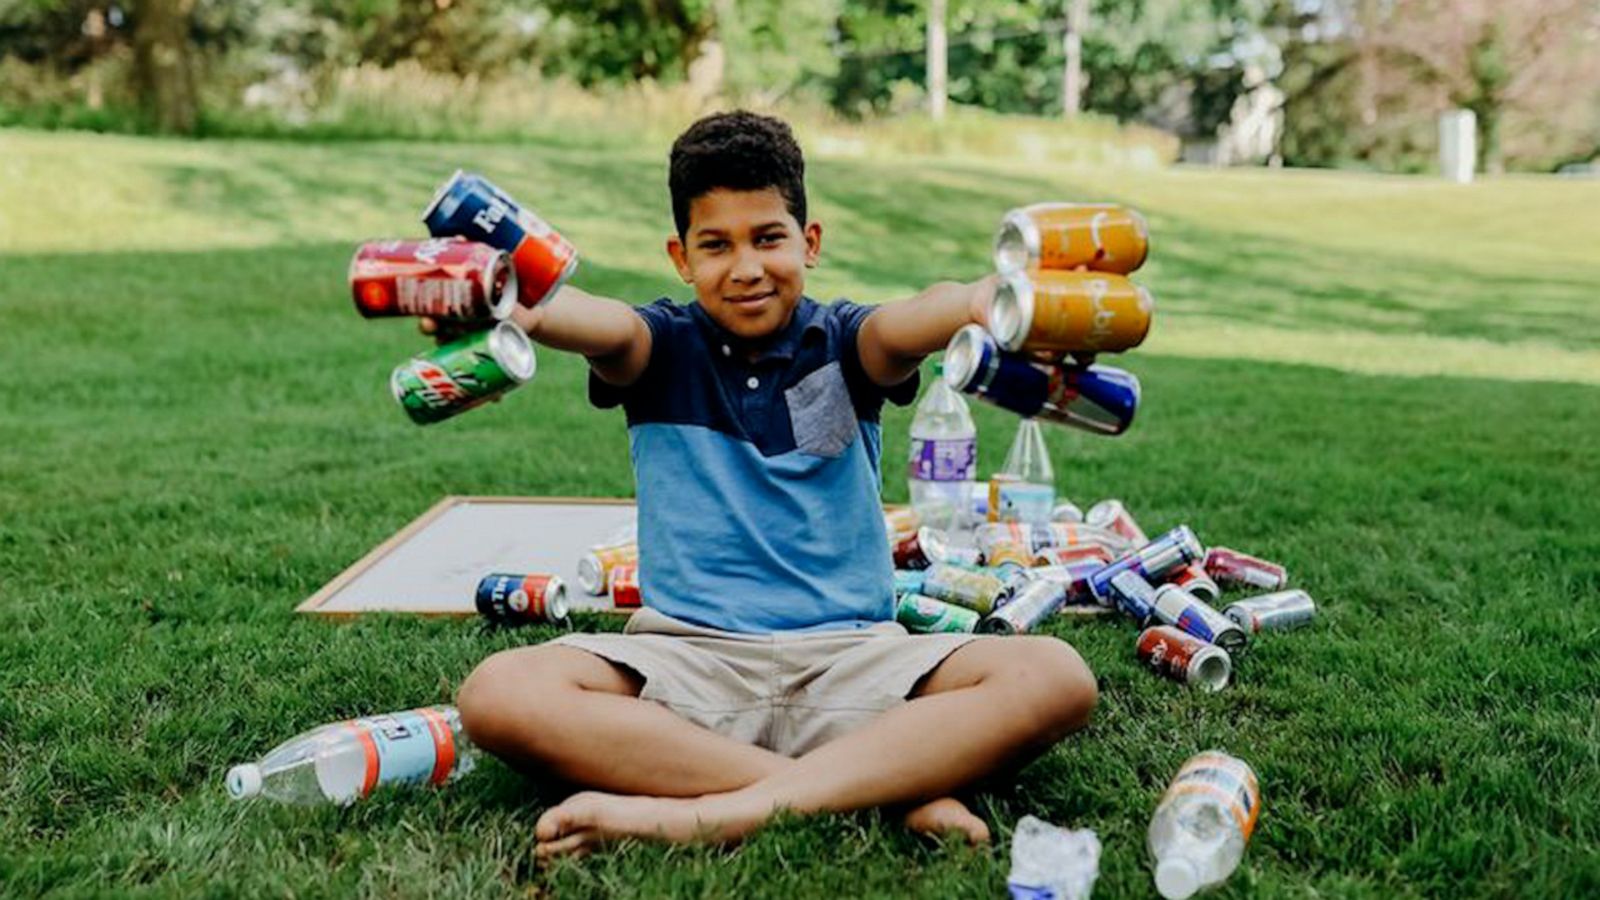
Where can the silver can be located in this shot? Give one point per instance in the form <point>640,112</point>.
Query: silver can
<point>1280,611</point>
<point>1037,600</point>
<point>963,587</point>
<point>1182,610</point>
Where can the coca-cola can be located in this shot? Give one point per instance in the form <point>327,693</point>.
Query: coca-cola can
<point>446,278</point>
<point>1243,570</point>
<point>1273,612</point>
<point>1184,658</point>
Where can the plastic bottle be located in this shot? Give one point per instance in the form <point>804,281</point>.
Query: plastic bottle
<point>345,761</point>
<point>1025,488</point>
<point>944,456</point>
<point>1200,828</point>
<point>1051,863</point>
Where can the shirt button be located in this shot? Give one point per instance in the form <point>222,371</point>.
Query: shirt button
<point>753,383</point>
<point>726,350</point>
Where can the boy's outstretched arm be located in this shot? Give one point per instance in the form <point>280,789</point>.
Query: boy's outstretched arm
<point>614,339</point>
<point>898,335</point>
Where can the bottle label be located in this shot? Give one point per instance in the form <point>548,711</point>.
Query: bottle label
<point>1227,779</point>
<point>943,459</point>
<point>406,748</point>
<point>1020,501</point>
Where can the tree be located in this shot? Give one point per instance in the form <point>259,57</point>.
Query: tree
<point>164,65</point>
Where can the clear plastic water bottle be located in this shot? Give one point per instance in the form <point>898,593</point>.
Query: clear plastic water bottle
<point>1051,863</point>
<point>1198,834</point>
<point>1026,486</point>
<point>345,761</point>
<point>944,456</point>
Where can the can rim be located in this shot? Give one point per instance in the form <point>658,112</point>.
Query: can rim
<point>502,305</point>
<point>1011,311</point>
<point>555,599</point>
<point>962,357</point>
<point>438,196</point>
<point>1016,221</point>
<point>513,351</point>
<point>1210,667</point>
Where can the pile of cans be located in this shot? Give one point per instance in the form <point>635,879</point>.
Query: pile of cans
<point>486,255</point>
<point>1014,576</point>
<point>1063,298</point>
<point>609,569</point>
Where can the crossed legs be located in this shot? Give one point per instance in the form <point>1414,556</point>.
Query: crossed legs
<point>659,776</point>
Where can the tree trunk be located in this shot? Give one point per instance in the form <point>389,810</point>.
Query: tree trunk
<point>163,64</point>
<point>1072,45</point>
<point>937,63</point>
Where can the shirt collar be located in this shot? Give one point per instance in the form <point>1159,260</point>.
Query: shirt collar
<point>806,320</point>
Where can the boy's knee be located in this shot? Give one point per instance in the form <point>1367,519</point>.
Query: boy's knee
<point>495,702</point>
<point>1064,688</point>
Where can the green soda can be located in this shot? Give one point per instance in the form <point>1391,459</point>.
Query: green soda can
<point>462,374</point>
<point>924,615</point>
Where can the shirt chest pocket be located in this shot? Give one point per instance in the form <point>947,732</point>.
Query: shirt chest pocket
<point>820,411</point>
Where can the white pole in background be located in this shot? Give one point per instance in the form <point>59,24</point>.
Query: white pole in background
<point>936,58</point>
<point>1458,145</point>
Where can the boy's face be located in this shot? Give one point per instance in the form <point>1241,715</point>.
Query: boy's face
<point>746,256</point>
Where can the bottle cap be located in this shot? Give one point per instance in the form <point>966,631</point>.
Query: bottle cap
<point>1177,878</point>
<point>244,781</point>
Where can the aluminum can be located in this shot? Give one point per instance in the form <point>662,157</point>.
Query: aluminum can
<point>1103,237</point>
<point>1113,516</point>
<point>1034,602</point>
<point>901,521</point>
<point>469,206</point>
<point>1185,658</point>
<point>1003,552</point>
<point>1074,576</point>
<point>1184,611</point>
<point>1155,561</point>
<point>919,549</point>
<point>924,615</point>
<point>1243,570</point>
<point>1194,579</point>
<point>1089,554</point>
<point>1273,612</point>
<point>1044,311</point>
<point>1066,511</point>
<point>447,278</point>
<point>963,587</point>
<point>1133,595</point>
<point>625,587</point>
<point>599,561</point>
<point>522,599</point>
<point>909,581</point>
<point>1097,398</point>
<point>463,374</point>
<point>1039,537</point>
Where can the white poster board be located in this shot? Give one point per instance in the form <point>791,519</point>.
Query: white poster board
<point>432,566</point>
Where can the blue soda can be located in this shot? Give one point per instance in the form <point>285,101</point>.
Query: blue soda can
<point>1183,610</point>
<point>1155,562</point>
<point>1096,398</point>
<point>1133,595</point>
<point>468,206</point>
<point>909,581</point>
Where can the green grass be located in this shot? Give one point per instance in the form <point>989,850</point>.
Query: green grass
<point>1391,385</point>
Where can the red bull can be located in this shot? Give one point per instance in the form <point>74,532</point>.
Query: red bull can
<point>1132,594</point>
<point>1114,517</point>
<point>1098,398</point>
<point>1184,658</point>
<point>1184,611</point>
<point>1073,576</point>
<point>1034,601</point>
<point>921,614</point>
<point>1243,570</point>
<point>1102,237</point>
<point>625,587</point>
<point>595,565</point>
<point>1043,311</point>
<point>1155,562</point>
<point>464,374</point>
<point>1194,579</point>
<point>469,206</point>
<point>1273,612</point>
<point>522,599</point>
<point>447,278</point>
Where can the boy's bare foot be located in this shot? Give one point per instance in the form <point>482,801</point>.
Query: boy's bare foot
<point>947,815</point>
<point>586,820</point>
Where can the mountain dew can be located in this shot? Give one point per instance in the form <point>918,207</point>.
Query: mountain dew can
<point>924,615</point>
<point>460,375</point>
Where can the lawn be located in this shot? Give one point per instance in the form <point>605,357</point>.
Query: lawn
<point>1391,385</point>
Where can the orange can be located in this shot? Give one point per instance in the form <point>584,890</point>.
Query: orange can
<point>594,568</point>
<point>1102,237</point>
<point>1069,312</point>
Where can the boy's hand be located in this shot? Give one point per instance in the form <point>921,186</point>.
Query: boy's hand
<point>443,331</point>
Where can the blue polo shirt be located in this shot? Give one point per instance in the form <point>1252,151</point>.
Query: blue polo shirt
<point>758,482</point>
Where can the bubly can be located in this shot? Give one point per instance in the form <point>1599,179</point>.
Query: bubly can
<point>1184,658</point>
<point>447,278</point>
<point>1193,578</point>
<point>522,599</point>
<point>1043,311</point>
<point>1103,237</point>
<point>594,566</point>
<point>1273,612</point>
<point>1113,516</point>
<point>469,206</point>
<point>463,374</point>
<point>1133,595</point>
<point>1241,569</point>
<point>924,615</point>
<point>963,587</point>
<point>1184,611</point>
<point>1034,601</point>
<point>625,587</point>
<point>1155,561</point>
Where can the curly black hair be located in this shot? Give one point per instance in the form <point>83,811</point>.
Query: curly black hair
<point>738,150</point>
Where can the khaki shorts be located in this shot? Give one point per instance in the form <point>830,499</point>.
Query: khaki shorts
<point>789,693</point>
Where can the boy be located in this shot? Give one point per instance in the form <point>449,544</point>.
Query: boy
<point>766,671</point>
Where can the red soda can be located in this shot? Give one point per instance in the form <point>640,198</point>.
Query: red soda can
<point>469,206</point>
<point>1242,569</point>
<point>447,278</point>
<point>625,587</point>
<point>1113,516</point>
<point>522,599</point>
<point>1185,658</point>
<point>919,549</point>
<point>1195,580</point>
